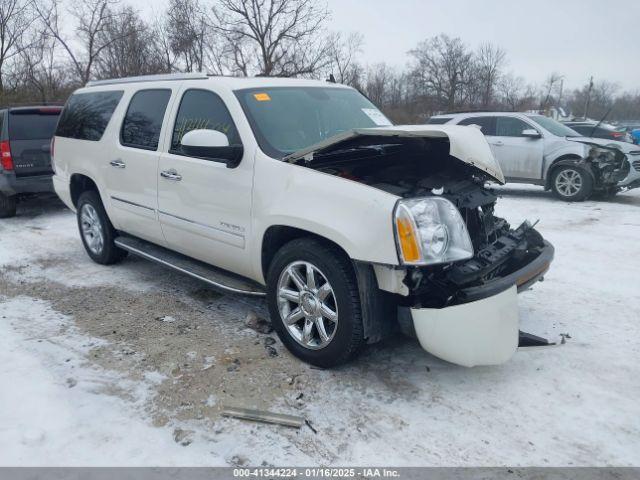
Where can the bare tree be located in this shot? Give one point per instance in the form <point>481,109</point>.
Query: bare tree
<point>601,99</point>
<point>378,84</point>
<point>549,87</point>
<point>15,18</point>
<point>442,67</point>
<point>342,57</point>
<point>40,70</point>
<point>490,60</point>
<point>162,45</point>
<point>515,94</point>
<point>92,18</point>
<point>273,37</point>
<point>130,47</point>
<point>187,28</point>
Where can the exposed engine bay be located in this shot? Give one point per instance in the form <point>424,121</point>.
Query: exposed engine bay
<point>418,167</point>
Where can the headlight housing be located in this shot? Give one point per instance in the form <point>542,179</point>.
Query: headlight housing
<point>430,231</point>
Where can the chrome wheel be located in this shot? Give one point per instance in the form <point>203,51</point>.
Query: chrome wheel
<point>568,182</point>
<point>307,305</point>
<point>91,227</point>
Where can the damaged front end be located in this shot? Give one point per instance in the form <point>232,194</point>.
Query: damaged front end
<point>460,281</point>
<point>607,165</point>
<point>503,256</point>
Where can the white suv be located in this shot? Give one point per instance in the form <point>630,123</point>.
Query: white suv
<point>532,148</point>
<point>302,192</point>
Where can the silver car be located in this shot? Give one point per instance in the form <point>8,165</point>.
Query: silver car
<point>532,148</point>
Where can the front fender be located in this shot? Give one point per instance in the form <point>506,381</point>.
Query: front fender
<point>355,216</point>
<point>567,150</point>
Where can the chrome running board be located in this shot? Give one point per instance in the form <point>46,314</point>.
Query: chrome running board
<point>216,277</point>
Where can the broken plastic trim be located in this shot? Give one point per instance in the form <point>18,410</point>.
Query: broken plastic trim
<point>526,340</point>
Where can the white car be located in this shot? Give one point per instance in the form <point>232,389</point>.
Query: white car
<point>301,191</point>
<point>532,148</point>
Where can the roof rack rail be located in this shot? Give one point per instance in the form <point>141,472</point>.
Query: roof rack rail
<point>451,112</point>
<point>150,78</point>
<point>10,106</point>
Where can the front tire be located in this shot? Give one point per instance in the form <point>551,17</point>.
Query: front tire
<point>314,302</point>
<point>571,183</point>
<point>8,205</point>
<point>96,231</point>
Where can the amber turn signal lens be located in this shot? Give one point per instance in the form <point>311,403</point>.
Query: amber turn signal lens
<point>408,240</point>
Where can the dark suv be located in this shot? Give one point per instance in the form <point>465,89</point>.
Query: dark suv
<point>600,130</point>
<point>25,153</point>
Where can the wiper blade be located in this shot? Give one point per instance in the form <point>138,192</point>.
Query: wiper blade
<point>379,149</point>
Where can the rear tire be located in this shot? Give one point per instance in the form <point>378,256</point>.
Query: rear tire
<point>8,205</point>
<point>324,325</point>
<point>571,183</point>
<point>96,231</point>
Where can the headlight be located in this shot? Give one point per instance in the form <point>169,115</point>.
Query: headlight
<point>430,231</point>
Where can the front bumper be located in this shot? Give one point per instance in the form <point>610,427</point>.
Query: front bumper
<point>632,180</point>
<point>483,330</point>
<point>12,185</point>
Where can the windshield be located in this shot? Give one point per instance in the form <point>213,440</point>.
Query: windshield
<point>287,119</point>
<point>554,127</point>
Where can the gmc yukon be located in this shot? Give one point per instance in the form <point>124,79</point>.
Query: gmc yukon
<point>302,191</point>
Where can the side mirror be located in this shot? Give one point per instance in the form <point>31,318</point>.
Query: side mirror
<point>531,133</point>
<point>211,145</point>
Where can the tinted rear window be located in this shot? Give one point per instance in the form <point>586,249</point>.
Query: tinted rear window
<point>143,121</point>
<point>87,115</point>
<point>32,126</point>
<point>487,124</point>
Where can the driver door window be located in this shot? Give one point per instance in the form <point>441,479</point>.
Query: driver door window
<point>202,109</point>
<point>510,127</point>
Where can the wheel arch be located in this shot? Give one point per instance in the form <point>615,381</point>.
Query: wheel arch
<point>379,308</point>
<point>276,236</point>
<point>79,183</point>
<point>569,159</point>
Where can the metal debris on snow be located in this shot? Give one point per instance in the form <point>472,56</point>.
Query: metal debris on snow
<point>263,416</point>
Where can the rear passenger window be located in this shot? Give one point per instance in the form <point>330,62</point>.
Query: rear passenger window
<point>86,115</point>
<point>143,120</point>
<point>202,109</point>
<point>487,124</point>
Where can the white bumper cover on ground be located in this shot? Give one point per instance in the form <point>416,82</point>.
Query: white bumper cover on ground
<point>484,332</point>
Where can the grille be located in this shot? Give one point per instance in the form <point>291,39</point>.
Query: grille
<point>636,165</point>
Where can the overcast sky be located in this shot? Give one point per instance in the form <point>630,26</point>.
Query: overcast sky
<point>576,38</point>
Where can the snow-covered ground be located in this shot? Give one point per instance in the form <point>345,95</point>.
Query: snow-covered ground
<point>131,364</point>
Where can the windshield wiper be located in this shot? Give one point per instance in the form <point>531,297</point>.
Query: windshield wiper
<point>379,149</point>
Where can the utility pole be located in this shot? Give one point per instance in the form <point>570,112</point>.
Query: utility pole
<point>560,94</point>
<point>588,101</point>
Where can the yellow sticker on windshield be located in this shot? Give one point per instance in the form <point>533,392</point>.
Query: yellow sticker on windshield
<point>262,97</point>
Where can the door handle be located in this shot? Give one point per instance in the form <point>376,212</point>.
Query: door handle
<point>171,174</point>
<point>498,143</point>
<point>117,163</point>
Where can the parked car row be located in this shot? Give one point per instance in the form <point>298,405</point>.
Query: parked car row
<point>304,193</point>
<point>535,149</point>
<point>604,130</point>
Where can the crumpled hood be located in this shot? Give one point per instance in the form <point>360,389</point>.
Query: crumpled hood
<point>625,147</point>
<point>466,144</point>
